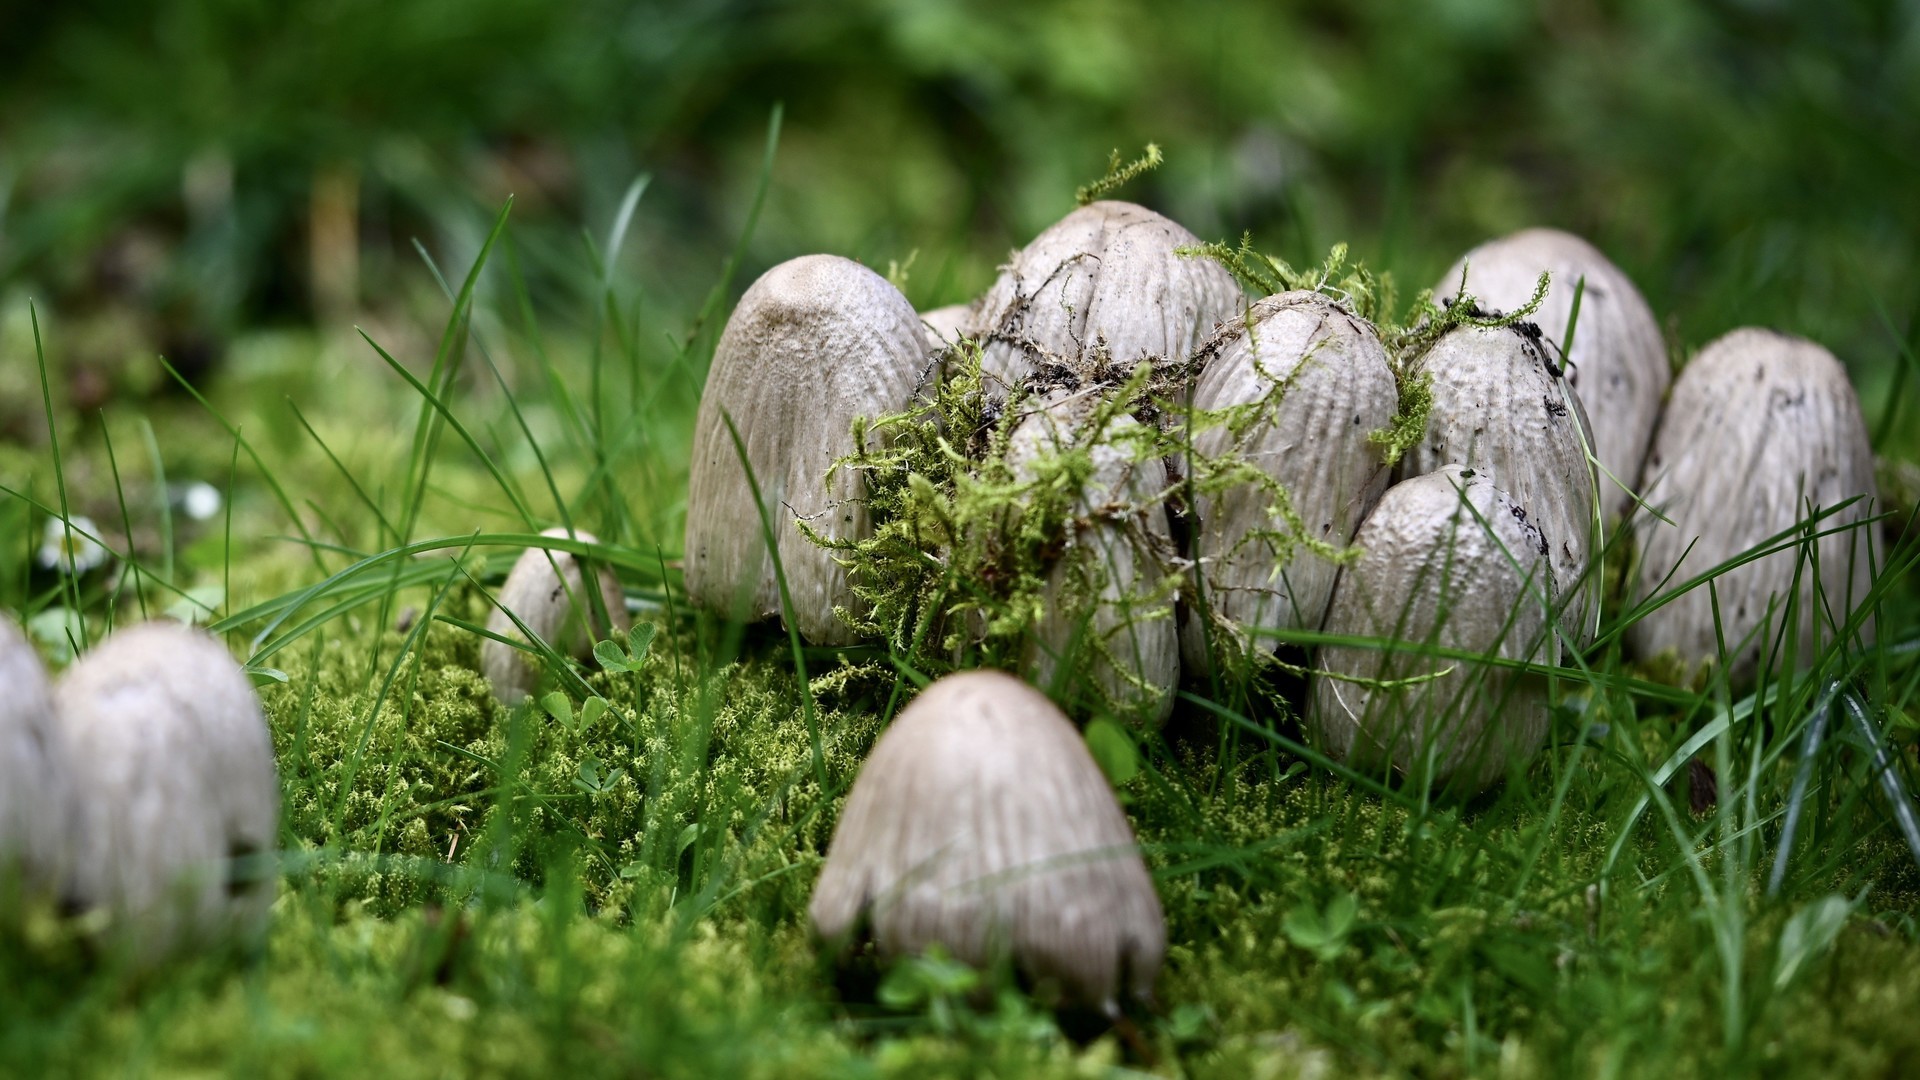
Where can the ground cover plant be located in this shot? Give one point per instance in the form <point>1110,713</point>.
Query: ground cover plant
<point>613,878</point>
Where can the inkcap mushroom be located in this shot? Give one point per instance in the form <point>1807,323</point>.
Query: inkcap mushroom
<point>544,591</point>
<point>947,325</point>
<point>1762,430</point>
<point>1103,286</point>
<point>1107,610</point>
<point>180,807</point>
<point>1296,390</point>
<point>1502,405</point>
<point>1449,560</point>
<point>815,343</point>
<point>1618,362</point>
<point>36,794</point>
<point>981,823</point>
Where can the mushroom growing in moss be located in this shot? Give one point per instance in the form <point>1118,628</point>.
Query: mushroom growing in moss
<point>180,811</point>
<point>1447,560</point>
<point>1762,430</point>
<point>1297,391</point>
<point>981,823</point>
<point>1618,362</point>
<point>36,795</point>
<point>1502,405</point>
<point>814,344</point>
<point>544,591</point>
<point>1107,609</point>
<point>1103,287</point>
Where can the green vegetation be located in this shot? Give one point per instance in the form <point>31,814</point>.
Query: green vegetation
<point>613,880</point>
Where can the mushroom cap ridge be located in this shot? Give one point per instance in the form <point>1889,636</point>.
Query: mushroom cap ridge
<point>814,343</point>
<point>1761,425</point>
<point>1619,359</point>
<point>980,821</point>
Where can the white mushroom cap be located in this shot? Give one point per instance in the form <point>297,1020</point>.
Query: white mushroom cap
<point>1319,385</point>
<point>544,590</point>
<point>1498,406</point>
<point>1618,361</point>
<point>1447,560</point>
<point>1109,610</point>
<point>167,746</point>
<point>946,325</point>
<point>1103,280</point>
<point>1761,428</point>
<point>815,343</point>
<point>981,822</point>
<point>36,794</point>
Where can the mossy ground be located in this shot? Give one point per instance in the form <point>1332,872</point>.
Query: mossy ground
<point>472,889</point>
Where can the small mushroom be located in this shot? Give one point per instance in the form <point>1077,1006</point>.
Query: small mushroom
<point>1102,288</point>
<point>947,325</point>
<point>544,591</point>
<point>180,810</point>
<point>981,823</point>
<point>1108,610</point>
<point>1501,404</point>
<point>1761,430</point>
<point>1298,388</point>
<point>1447,560</point>
<point>36,795</point>
<point>814,344</point>
<point>1618,361</point>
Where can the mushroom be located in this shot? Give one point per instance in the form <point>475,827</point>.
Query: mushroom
<point>1618,361</point>
<point>1299,387</point>
<point>947,325</point>
<point>1102,288</point>
<point>36,795</point>
<point>814,344</point>
<point>1108,606</point>
<point>181,806</point>
<point>1448,560</point>
<point>1500,404</point>
<point>981,823</point>
<point>1762,429</point>
<point>543,590</point>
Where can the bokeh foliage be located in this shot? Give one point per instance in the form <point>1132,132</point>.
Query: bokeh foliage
<point>1744,160</point>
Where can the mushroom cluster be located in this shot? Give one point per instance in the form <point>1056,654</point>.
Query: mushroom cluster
<point>142,787</point>
<point>1115,469</point>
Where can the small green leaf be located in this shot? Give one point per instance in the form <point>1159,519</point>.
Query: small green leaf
<point>266,676</point>
<point>1323,933</point>
<point>1113,749</point>
<point>594,709</point>
<point>639,642</point>
<point>559,708</point>
<point>1807,935</point>
<point>687,836</point>
<point>610,657</point>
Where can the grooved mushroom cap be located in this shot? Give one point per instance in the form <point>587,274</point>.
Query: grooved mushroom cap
<point>1498,406</point>
<point>981,822</point>
<point>1102,282</point>
<point>36,795</point>
<point>1109,600</point>
<point>1619,361</point>
<point>1448,560</point>
<point>552,605</point>
<point>166,743</point>
<point>1760,428</point>
<point>816,342</point>
<point>1307,384</point>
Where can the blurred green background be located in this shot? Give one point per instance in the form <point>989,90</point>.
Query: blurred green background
<point>176,174</point>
